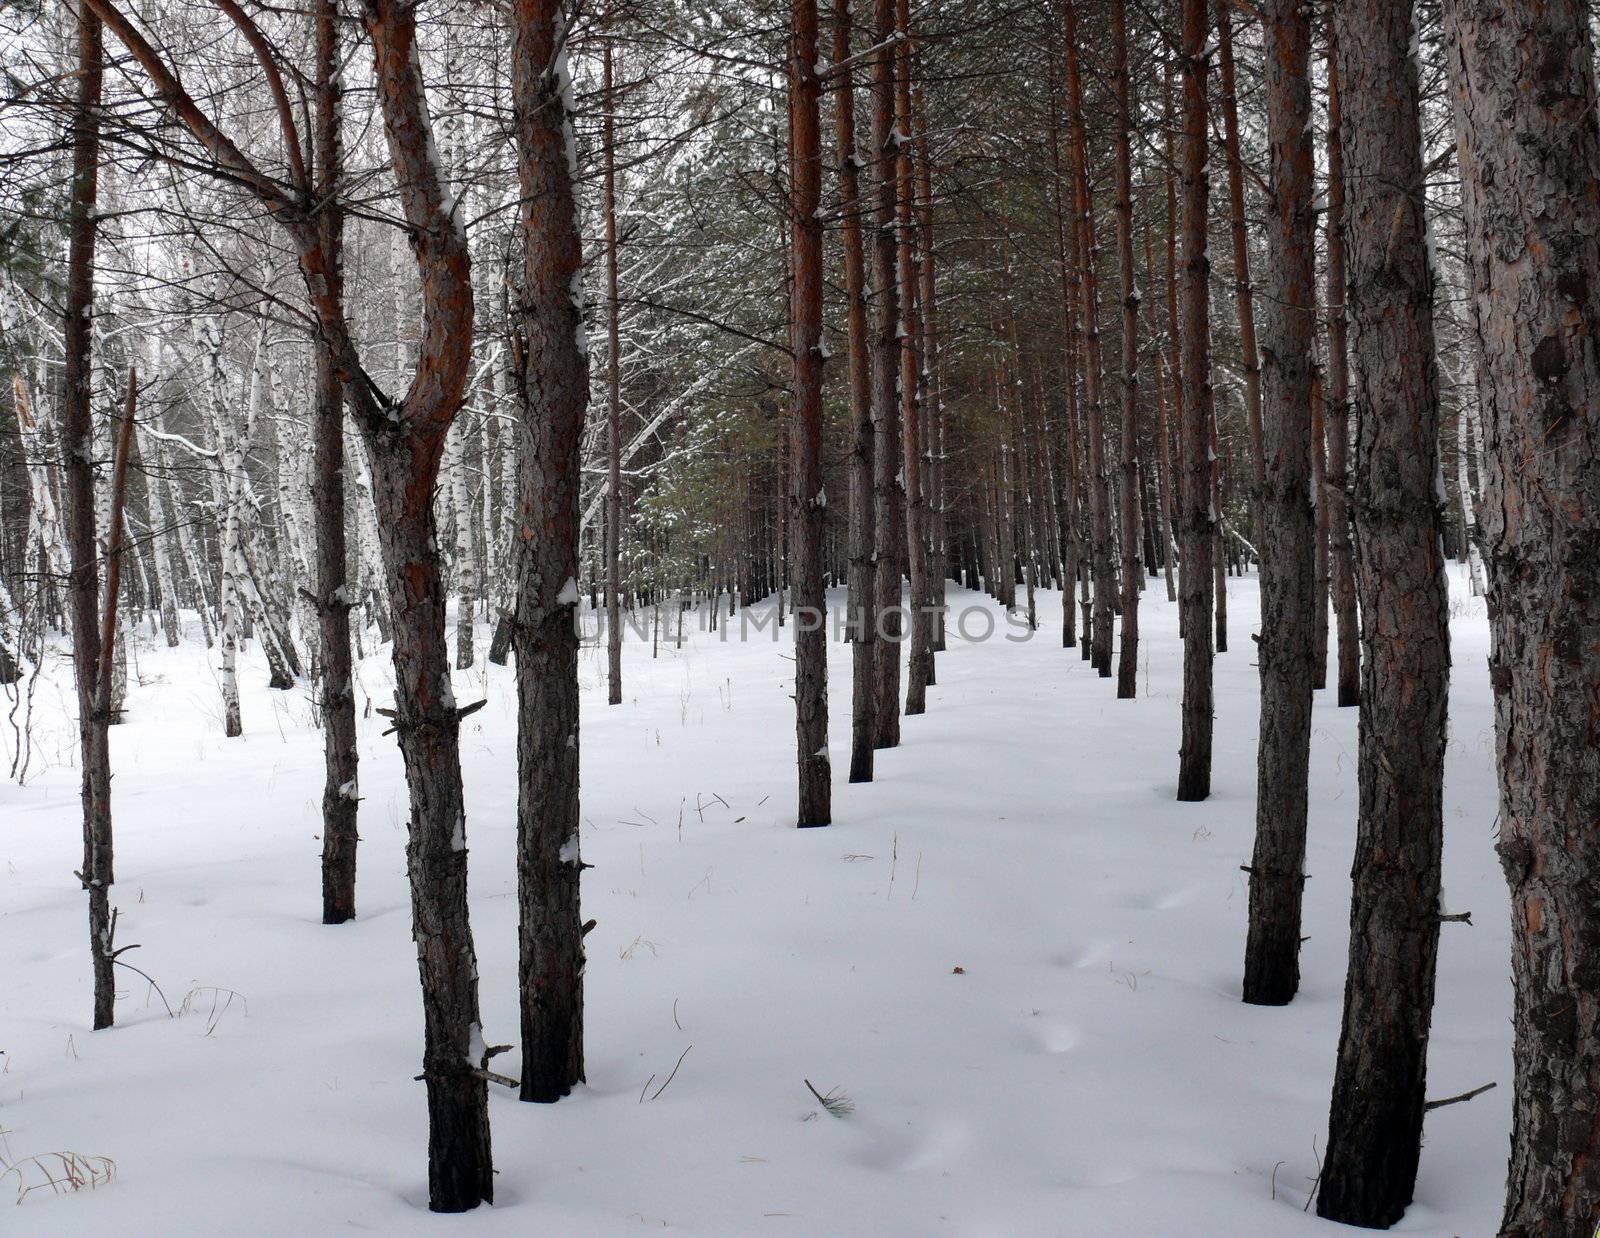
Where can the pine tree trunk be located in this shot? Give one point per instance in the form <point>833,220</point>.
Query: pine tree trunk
<point>555,394</point>
<point>1523,81</point>
<point>887,483</point>
<point>1287,531</point>
<point>1341,551</point>
<point>1132,577</point>
<point>1099,480</point>
<point>862,595</point>
<point>1243,291</point>
<point>1375,1124</point>
<point>1198,524</point>
<point>77,433</point>
<point>805,420</point>
<point>336,694</point>
<point>919,657</point>
<point>613,394</point>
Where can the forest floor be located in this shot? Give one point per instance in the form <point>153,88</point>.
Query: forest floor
<point>1014,953</point>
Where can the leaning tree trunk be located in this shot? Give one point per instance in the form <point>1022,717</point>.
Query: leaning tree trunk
<point>1375,1125</point>
<point>555,395</point>
<point>1341,551</point>
<point>805,420</point>
<point>862,605</point>
<point>1288,528</point>
<point>1523,79</point>
<point>77,436</point>
<point>335,694</point>
<point>1198,525</point>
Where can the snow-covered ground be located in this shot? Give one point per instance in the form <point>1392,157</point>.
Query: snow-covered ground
<point>1014,953</point>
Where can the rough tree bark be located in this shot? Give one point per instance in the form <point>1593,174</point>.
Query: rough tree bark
<point>1341,551</point>
<point>1198,524</point>
<point>555,395</point>
<point>336,694</point>
<point>77,436</point>
<point>608,147</point>
<point>863,610</point>
<point>805,420</point>
<point>1287,531</point>
<point>1132,576</point>
<point>1099,480</point>
<point>1523,82</point>
<point>888,486</point>
<point>1375,1124</point>
<point>919,657</point>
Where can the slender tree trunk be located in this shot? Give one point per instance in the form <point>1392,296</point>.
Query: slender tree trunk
<point>77,435</point>
<point>1341,551</point>
<point>919,658</point>
<point>613,393</point>
<point>888,487</point>
<point>931,484</point>
<point>1287,529</point>
<point>1242,288</point>
<point>862,597</point>
<point>1132,577</point>
<point>1375,1125</point>
<point>555,395</point>
<point>1099,489</point>
<point>1523,81</point>
<point>805,419</point>
<point>1066,248</point>
<point>1319,503</point>
<point>336,695</point>
<point>1198,526</point>
<point>1163,439</point>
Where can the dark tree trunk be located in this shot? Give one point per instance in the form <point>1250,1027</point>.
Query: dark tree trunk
<point>1243,291</point>
<point>805,420</point>
<point>919,657</point>
<point>1341,551</point>
<point>336,695</point>
<point>1132,577</point>
<point>1198,525</point>
<point>888,486</point>
<point>555,394</point>
<point>613,396</point>
<point>77,453</point>
<point>1099,479</point>
<point>862,596</point>
<point>1288,590</point>
<point>1523,80</point>
<point>1375,1125</point>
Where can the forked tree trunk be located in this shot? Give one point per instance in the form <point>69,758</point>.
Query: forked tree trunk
<point>1341,551</point>
<point>1287,531</point>
<point>555,395</point>
<point>805,420</point>
<point>1375,1124</point>
<point>1523,80</point>
<point>1198,526</point>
